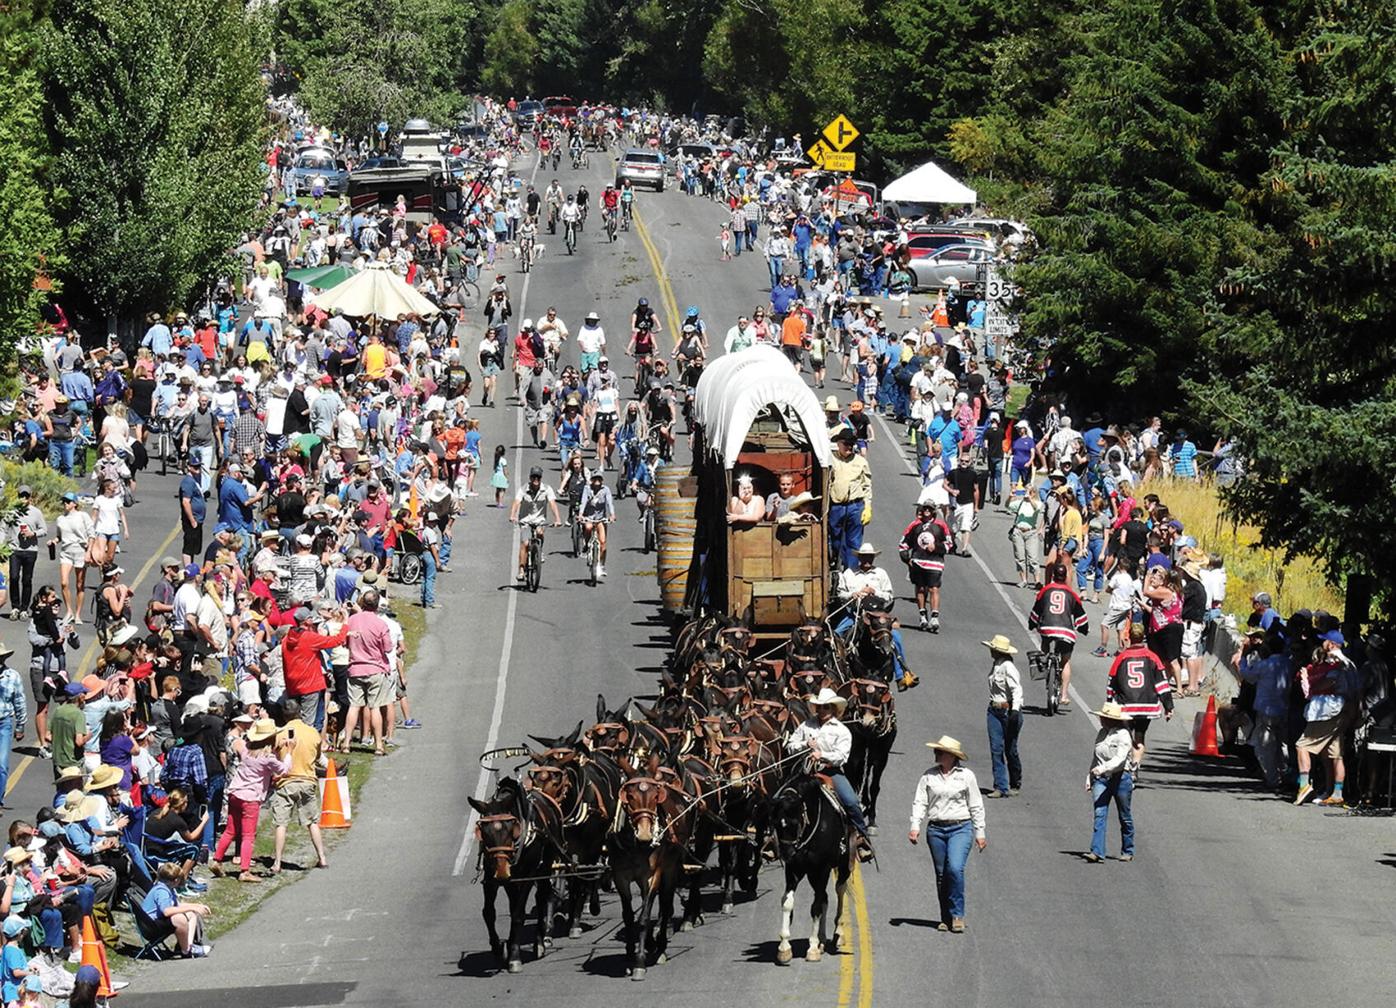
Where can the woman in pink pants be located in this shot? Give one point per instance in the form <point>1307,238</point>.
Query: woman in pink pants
<point>251,783</point>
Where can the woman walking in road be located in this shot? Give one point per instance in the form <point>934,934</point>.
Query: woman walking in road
<point>1005,716</point>
<point>1110,779</point>
<point>948,796</point>
<point>264,760</point>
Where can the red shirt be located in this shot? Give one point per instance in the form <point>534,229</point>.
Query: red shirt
<point>300,657</point>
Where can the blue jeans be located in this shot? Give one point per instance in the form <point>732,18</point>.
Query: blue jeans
<point>1004,726</point>
<point>776,264</point>
<point>846,624</point>
<point>1091,559</point>
<point>1020,474</point>
<point>950,851</point>
<point>312,707</point>
<point>7,737</point>
<point>849,800</point>
<point>60,456</point>
<point>1120,787</point>
<point>567,449</point>
<point>445,549</point>
<point>204,453</point>
<point>995,481</point>
<point>428,578</point>
<point>846,531</point>
<point>216,783</point>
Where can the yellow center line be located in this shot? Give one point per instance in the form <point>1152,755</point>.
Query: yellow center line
<point>666,290</point>
<point>865,952</point>
<point>90,654</point>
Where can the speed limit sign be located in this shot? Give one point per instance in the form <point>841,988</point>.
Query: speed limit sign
<point>995,288</point>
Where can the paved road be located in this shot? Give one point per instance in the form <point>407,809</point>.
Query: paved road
<point>1234,899</point>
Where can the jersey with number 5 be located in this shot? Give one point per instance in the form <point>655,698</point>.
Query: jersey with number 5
<point>1139,683</point>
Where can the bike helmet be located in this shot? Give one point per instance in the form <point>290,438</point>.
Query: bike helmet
<point>536,472</point>
<point>526,324</point>
<point>652,450</point>
<point>596,475</point>
<point>593,317</point>
<point>692,311</point>
<point>643,303</point>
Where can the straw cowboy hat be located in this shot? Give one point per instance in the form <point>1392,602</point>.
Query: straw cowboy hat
<point>1000,643</point>
<point>17,855</point>
<point>947,744</point>
<point>103,777</point>
<point>826,698</point>
<point>263,729</point>
<point>866,549</point>
<point>1111,712</point>
<point>831,404</point>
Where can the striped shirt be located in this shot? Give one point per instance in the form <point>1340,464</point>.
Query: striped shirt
<point>12,701</point>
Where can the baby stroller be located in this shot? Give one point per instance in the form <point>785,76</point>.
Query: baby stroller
<point>408,565</point>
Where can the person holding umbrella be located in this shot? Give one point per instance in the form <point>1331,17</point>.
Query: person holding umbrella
<point>1111,780</point>
<point>948,796</point>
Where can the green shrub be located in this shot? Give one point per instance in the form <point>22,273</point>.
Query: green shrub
<point>48,486</point>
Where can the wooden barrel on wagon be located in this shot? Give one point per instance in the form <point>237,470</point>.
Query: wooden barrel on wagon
<point>675,500</point>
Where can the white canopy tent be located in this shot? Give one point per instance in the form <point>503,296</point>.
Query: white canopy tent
<point>736,388</point>
<point>376,291</point>
<point>928,184</point>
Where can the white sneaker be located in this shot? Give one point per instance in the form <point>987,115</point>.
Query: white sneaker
<point>75,956</point>
<point>600,570</point>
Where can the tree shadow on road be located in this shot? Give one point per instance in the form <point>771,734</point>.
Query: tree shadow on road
<point>920,922</point>
<point>1175,768</point>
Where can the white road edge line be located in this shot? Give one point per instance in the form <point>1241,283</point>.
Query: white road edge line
<point>1013,607</point>
<point>506,651</point>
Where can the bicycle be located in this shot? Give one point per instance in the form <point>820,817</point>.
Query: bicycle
<point>579,159</point>
<point>625,213</point>
<point>533,559</point>
<point>1046,666</point>
<point>574,506</point>
<point>593,552</point>
<point>645,496</point>
<point>164,442</point>
<point>569,235</point>
<point>526,255</point>
<point>609,217</point>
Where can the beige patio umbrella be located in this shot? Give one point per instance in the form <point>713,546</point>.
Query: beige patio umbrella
<point>376,291</point>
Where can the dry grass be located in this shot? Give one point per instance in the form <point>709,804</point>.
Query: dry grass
<point>1250,568</point>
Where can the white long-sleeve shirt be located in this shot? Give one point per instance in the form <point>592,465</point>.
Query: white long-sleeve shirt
<point>832,739</point>
<point>1006,685</point>
<point>852,580</point>
<point>1112,749</point>
<point>948,797</point>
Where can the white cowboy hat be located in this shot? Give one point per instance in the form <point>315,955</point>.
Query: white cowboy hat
<point>1000,643</point>
<point>866,549</point>
<point>825,698</point>
<point>947,744</point>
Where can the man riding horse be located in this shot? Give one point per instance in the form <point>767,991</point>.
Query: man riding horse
<point>829,742</point>
<point>866,590</point>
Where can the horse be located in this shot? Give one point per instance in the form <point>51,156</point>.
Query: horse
<point>746,767</point>
<point>872,721</point>
<point>645,847</point>
<point>520,835</point>
<point>814,840</point>
<point>872,654</point>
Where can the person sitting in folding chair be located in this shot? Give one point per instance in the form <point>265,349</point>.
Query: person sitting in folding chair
<point>162,904</point>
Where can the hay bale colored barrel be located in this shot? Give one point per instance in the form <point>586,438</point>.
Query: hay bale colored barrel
<point>675,500</point>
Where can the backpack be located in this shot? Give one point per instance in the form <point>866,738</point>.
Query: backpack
<point>535,340</point>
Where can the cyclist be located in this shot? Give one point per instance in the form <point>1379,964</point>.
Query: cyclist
<point>692,317</point>
<point>571,428</point>
<point>630,439</point>
<point>610,201</point>
<point>598,508</point>
<point>528,237</point>
<point>641,482</point>
<point>922,549</point>
<point>575,149</point>
<point>552,196</point>
<point>1059,617</point>
<point>644,326</point>
<point>571,214</point>
<point>607,414</point>
<point>531,506</point>
<point>573,482</point>
<point>627,202</point>
<point>583,199</point>
<point>554,332</point>
<point>689,355</point>
<point>659,415</point>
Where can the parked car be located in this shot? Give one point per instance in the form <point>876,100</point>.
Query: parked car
<point>1001,230</point>
<point>943,267</point>
<point>641,167</point>
<point>923,242</point>
<point>528,112</point>
<point>318,161</point>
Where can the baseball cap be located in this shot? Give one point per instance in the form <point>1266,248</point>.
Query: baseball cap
<point>192,570</point>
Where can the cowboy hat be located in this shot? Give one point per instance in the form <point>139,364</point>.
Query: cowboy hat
<point>72,810</point>
<point>826,698</point>
<point>17,855</point>
<point>263,729</point>
<point>831,404</point>
<point>103,777</point>
<point>866,549</point>
<point>70,773</point>
<point>1000,643</point>
<point>1111,711</point>
<point>947,744</point>
<point>801,499</point>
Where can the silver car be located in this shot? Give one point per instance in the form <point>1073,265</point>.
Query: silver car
<point>960,262</point>
<point>641,167</point>
<point>315,161</point>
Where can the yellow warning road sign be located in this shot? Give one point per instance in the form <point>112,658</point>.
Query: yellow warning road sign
<point>840,133</point>
<point>840,161</point>
<point>818,151</point>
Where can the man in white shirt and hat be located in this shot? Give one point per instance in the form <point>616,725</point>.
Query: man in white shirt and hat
<point>873,585</point>
<point>829,743</point>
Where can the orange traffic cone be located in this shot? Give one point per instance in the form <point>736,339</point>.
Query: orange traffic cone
<point>334,800</point>
<point>1204,730</point>
<point>94,954</point>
